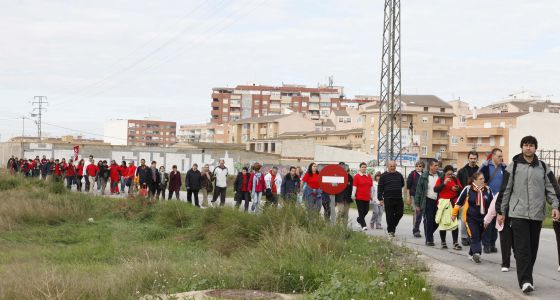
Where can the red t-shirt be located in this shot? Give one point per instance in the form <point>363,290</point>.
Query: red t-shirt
<point>70,170</point>
<point>131,171</point>
<point>447,192</point>
<point>363,184</point>
<point>92,169</point>
<point>80,170</point>
<point>311,180</point>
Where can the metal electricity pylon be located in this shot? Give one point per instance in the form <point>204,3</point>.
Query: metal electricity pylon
<point>389,127</point>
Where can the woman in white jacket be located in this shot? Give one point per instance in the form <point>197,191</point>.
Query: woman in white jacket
<point>376,206</point>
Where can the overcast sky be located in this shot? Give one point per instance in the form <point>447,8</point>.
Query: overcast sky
<point>97,60</point>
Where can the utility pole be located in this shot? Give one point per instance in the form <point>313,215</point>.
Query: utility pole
<point>389,127</point>
<point>38,107</point>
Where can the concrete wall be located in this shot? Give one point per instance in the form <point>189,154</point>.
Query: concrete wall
<point>115,132</point>
<point>300,148</point>
<point>333,155</point>
<point>183,158</point>
<point>543,126</point>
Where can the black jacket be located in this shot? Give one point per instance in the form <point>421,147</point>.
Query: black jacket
<point>290,186</point>
<point>150,180</point>
<point>238,184</point>
<point>346,195</point>
<point>142,173</point>
<point>464,175</point>
<point>193,179</point>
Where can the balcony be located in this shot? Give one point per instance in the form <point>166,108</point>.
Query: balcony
<point>234,104</point>
<point>440,140</point>
<point>466,147</point>
<point>485,132</point>
<point>441,127</point>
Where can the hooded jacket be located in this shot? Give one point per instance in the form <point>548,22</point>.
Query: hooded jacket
<point>524,193</point>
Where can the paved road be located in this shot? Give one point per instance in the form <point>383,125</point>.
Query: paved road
<point>545,275</point>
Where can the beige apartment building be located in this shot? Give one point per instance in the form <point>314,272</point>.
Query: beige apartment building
<point>203,133</point>
<point>431,119</point>
<point>268,127</point>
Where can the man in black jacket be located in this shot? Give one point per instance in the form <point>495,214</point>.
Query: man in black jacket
<point>411,183</point>
<point>464,175</point>
<point>290,186</point>
<point>193,183</point>
<point>389,190</point>
<point>153,179</point>
<point>344,199</point>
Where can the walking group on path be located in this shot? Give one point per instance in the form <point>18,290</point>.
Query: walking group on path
<point>478,202</point>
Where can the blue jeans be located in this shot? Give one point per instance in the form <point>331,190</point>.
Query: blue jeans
<point>416,217</point>
<point>430,224</point>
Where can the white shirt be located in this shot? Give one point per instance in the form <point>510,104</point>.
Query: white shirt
<point>277,182</point>
<point>430,193</point>
<point>221,177</point>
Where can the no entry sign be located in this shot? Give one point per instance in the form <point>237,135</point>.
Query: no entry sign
<point>333,179</point>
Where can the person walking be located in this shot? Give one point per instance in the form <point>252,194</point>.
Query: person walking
<point>193,181</point>
<point>476,199</point>
<point>206,184</point>
<point>79,174</point>
<point>241,187</point>
<point>70,173</point>
<point>362,192</point>
<point>92,171</point>
<point>506,236</point>
<point>411,183</point>
<point>528,185</point>
<point>44,167</point>
<point>164,180</point>
<point>290,186</point>
<point>464,175</point>
<point>425,199</point>
<point>130,177</point>
<point>448,190</point>
<point>312,194</point>
<point>142,172</point>
<point>257,186</point>
<point>389,193</point>
<point>220,175</point>
<point>153,180</point>
<point>273,182</point>
<point>174,183</point>
<point>376,205</point>
<point>343,200</point>
<point>103,177</point>
<point>123,171</point>
<point>114,171</point>
<point>556,225</point>
<point>57,171</point>
<point>493,170</point>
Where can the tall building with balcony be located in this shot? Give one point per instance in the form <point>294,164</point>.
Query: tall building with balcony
<point>425,124</point>
<point>149,133</point>
<point>249,101</point>
<point>203,133</point>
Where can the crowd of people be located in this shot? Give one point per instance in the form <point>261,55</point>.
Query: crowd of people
<point>477,202</point>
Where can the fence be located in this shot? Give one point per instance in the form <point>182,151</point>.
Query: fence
<point>552,158</point>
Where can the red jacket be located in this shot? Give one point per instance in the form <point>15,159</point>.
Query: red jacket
<point>260,186</point>
<point>70,171</point>
<point>114,172</point>
<point>92,170</point>
<point>131,171</point>
<point>80,170</point>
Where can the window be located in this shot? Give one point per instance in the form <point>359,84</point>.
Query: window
<point>215,108</point>
<point>454,140</point>
<point>487,125</point>
<point>502,141</point>
<point>442,121</point>
<point>502,124</point>
<point>404,118</point>
<point>425,108</point>
<point>442,109</point>
<point>424,150</point>
<point>462,119</point>
<point>216,100</point>
<point>492,141</point>
<point>479,141</point>
<point>425,120</point>
<point>425,134</point>
<point>341,137</point>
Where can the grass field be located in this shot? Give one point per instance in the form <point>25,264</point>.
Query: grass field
<point>49,250</point>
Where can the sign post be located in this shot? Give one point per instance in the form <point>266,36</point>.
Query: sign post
<point>333,180</point>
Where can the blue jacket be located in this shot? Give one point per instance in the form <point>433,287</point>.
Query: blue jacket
<point>485,169</point>
<point>412,182</point>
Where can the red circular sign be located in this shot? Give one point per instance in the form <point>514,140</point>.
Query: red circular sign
<point>333,179</point>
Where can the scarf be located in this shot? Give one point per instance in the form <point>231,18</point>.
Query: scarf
<point>480,197</point>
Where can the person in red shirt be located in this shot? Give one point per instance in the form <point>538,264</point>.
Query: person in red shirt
<point>362,191</point>
<point>92,170</point>
<point>449,188</point>
<point>70,173</point>
<point>114,174</point>
<point>312,194</point>
<point>80,174</point>
<point>130,174</point>
<point>123,170</point>
<point>241,188</point>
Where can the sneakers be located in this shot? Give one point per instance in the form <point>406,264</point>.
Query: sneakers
<point>456,246</point>
<point>443,245</point>
<point>493,250</point>
<point>527,288</point>
<point>504,269</point>
<point>476,258</point>
<point>465,242</point>
<point>486,249</point>
<point>391,234</point>
<point>470,257</point>
<point>378,226</point>
<point>364,228</point>
<point>559,269</point>
<point>430,244</point>
<point>417,235</point>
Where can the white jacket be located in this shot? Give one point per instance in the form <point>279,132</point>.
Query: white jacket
<point>277,181</point>
<point>221,176</point>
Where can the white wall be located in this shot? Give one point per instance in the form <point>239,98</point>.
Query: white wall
<point>333,155</point>
<point>115,132</point>
<point>543,126</point>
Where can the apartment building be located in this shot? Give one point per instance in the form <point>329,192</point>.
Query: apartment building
<point>248,101</point>
<point>425,124</point>
<point>203,133</point>
<point>345,119</point>
<point>149,133</point>
<point>268,127</point>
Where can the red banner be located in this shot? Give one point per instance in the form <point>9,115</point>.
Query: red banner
<point>76,152</point>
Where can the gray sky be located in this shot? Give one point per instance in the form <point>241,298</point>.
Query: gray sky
<point>97,60</point>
